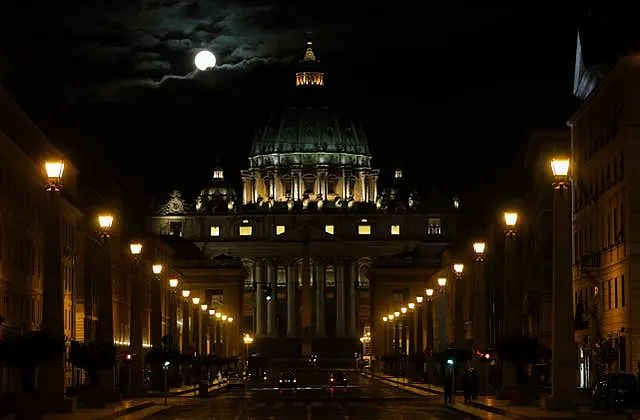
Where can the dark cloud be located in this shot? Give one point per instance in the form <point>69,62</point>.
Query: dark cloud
<point>142,44</point>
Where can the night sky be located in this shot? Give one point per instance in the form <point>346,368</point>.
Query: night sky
<point>448,93</point>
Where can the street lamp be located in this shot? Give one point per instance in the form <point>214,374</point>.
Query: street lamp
<point>186,293</point>
<point>412,305</point>
<point>212,312</point>
<point>480,323</point>
<point>204,307</point>
<point>195,300</point>
<point>560,169</point>
<point>218,315</point>
<point>403,310</point>
<point>135,248</point>
<point>458,269</point>
<point>385,319</point>
<point>156,268</point>
<point>563,363</point>
<point>510,222</point>
<point>442,316</point>
<point>173,283</point>
<point>429,292</point>
<point>396,314</point>
<point>105,221</point>
<point>419,299</point>
<point>230,319</point>
<point>54,171</point>
<point>224,317</point>
<point>478,250</point>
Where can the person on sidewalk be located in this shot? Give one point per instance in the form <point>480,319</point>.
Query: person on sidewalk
<point>475,384</point>
<point>448,388</point>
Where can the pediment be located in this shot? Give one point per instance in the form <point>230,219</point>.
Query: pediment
<point>306,233</point>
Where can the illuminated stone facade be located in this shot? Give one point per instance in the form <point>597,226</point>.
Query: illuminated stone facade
<point>24,217</point>
<point>309,229</point>
<point>605,263</point>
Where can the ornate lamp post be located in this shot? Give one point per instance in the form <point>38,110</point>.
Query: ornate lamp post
<point>480,318</point>
<point>172,307</point>
<point>185,321</point>
<point>512,297</point>
<point>135,332</point>
<point>385,320</point>
<point>52,375</point>
<point>442,316</point>
<point>430,326</point>
<point>396,332</point>
<point>419,334</point>
<point>458,303</point>
<point>563,353</point>
<point>403,330</point>
<point>196,324</point>
<point>412,325</point>
<point>204,337</point>
<point>105,301</point>
<point>247,340</point>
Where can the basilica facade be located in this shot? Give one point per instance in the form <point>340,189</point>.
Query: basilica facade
<point>304,258</point>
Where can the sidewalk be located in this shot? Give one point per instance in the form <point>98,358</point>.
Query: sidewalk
<point>136,408</point>
<point>492,408</point>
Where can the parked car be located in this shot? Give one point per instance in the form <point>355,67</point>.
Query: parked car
<point>337,379</point>
<point>287,381</point>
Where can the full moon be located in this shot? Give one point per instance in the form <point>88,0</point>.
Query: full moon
<point>205,60</point>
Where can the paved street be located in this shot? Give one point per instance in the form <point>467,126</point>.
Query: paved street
<point>362,399</point>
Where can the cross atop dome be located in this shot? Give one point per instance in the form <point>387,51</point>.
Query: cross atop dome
<point>309,74</point>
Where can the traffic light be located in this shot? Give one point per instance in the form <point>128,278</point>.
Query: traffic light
<point>267,292</point>
<point>450,356</point>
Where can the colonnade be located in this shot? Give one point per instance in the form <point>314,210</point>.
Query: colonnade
<point>339,276</point>
<point>284,183</point>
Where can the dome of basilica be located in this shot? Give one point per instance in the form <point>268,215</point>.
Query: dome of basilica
<point>310,129</point>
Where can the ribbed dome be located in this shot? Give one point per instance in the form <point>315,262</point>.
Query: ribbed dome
<point>310,129</point>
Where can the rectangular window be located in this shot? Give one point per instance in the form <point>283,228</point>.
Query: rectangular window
<point>622,290</point>
<point>602,295</point>
<point>609,293</point>
<point>615,291</point>
<point>214,231</point>
<point>280,229</point>
<point>395,229</point>
<point>246,230</point>
<point>364,230</point>
<point>434,227</point>
<point>329,229</point>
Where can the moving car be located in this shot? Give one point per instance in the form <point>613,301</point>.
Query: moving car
<point>235,380</point>
<point>287,381</point>
<point>337,379</point>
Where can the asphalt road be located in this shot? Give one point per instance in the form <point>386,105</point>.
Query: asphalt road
<point>362,399</point>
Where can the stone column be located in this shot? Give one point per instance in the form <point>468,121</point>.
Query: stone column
<point>292,309</point>
<point>247,182</point>
<point>204,338</point>
<point>259,300</point>
<point>353,300</point>
<point>346,183</point>
<point>271,304</point>
<point>320,298</point>
<point>322,180</point>
<point>372,190</point>
<point>52,375</point>
<point>275,180</point>
<point>362,182</point>
<point>186,330</point>
<point>480,324</point>
<point>105,313</point>
<point>296,183</point>
<point>512,307</point>
<point>135,331</point>
<point>195,311</point>
<point>340,309</point>
<point>460,340</point>
<point>563,345</point>
<point>258,186</point>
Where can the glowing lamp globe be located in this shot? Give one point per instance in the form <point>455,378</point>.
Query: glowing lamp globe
<point>205,60</point>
